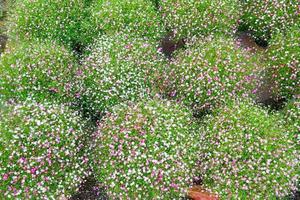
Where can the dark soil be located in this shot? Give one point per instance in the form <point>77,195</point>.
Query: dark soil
<point>246,41</point>
<point>296,196</point>
<point>169,45</point>
<point>267,93</point>
<point>90,190</point>
<point>3,40</point>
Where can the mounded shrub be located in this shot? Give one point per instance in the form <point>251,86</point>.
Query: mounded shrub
<point>59,20</point>
<point>284,61</point>
<point>110,17</point>
<point>118,68</point>
<point>188,18</point>
<point>146,150</point>
<point>209,71</point>
<point>291,114</point>
<point>1,11</point>
<point>43,69</point>
<point>42,154</point>
<point>248,154</point>
<point>264,18</point>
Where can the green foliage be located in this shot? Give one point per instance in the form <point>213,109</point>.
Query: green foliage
<point>291,114</point>
<point>119,68</point>
<point>146,150</point>
<point>284,62</point>
<point>266,17</point>
<point>110,17</point>
<point>188,18</point>
<point>58,19</point>
<point>209,71</point>
<point>1,11</point>
<point>248,154</point>
<point>41,150</point>
<point>41,69</point>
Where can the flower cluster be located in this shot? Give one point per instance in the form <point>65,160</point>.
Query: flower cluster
<point>247,153</point>
<point>59,20</point>
<point>41,69</point>
<point>136,16</point>
<point>188,18</point>
<point>42,150</point>
<point>146,150</point>
<point>266,17</point>
<point>210,70</point>
<point>284,61</point>
<point>118,68</point>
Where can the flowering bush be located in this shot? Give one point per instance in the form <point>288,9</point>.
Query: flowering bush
<point>187,18</point>
<point>60,20</point>
<point>266,17</point>
<point>1,11</point>
<point>40,68</point>
<point>292,115</point>
<point>248,154</point>
<point>284,62</point>
<point>41,153</point>
<point>146,150</point>
<point>137,16</point>
<point>118,68</point>
<point>210,70</point>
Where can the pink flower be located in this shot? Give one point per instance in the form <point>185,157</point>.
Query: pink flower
<point>5,177</point>
<point>79,72</point>
<point>22,160</point>
<point>142,143</point>
<point>209,92</point>
<point>55,90</point>
<point>128,46</point>
<point>173,185</point>
<point>77,95</point>
<point>33,170</point>
<point>159,176</point>
<point>173,94</point>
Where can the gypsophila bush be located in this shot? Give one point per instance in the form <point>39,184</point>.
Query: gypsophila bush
<point>58,19</point>
<point>291,114</point>
<point>284,62</point>
<point>42,150</point>
<point>118,68</point>
<point>146,150</point>
<point>43,69</point>
<point>188,18</point>
<point>210,70</point>
<point>247,153</point>
<point>269,16</point>
<point>1,11</point>
<point>110,17</point>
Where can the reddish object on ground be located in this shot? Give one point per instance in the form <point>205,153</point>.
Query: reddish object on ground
<point>198,193</point>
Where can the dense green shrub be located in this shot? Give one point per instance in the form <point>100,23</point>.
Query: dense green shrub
<point>284,62</point>
<point>58,19</point>
<point>137,16</point>
<point>210,70</point>
<point>41,153</point>
<point>1,11</point>
<point>146,150</point>
<point>118,68</point>
<point>187,18</point>
<point>39,68</point>
<point>292,115</point>
<point>248,154</point>
<point>266,17</point>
